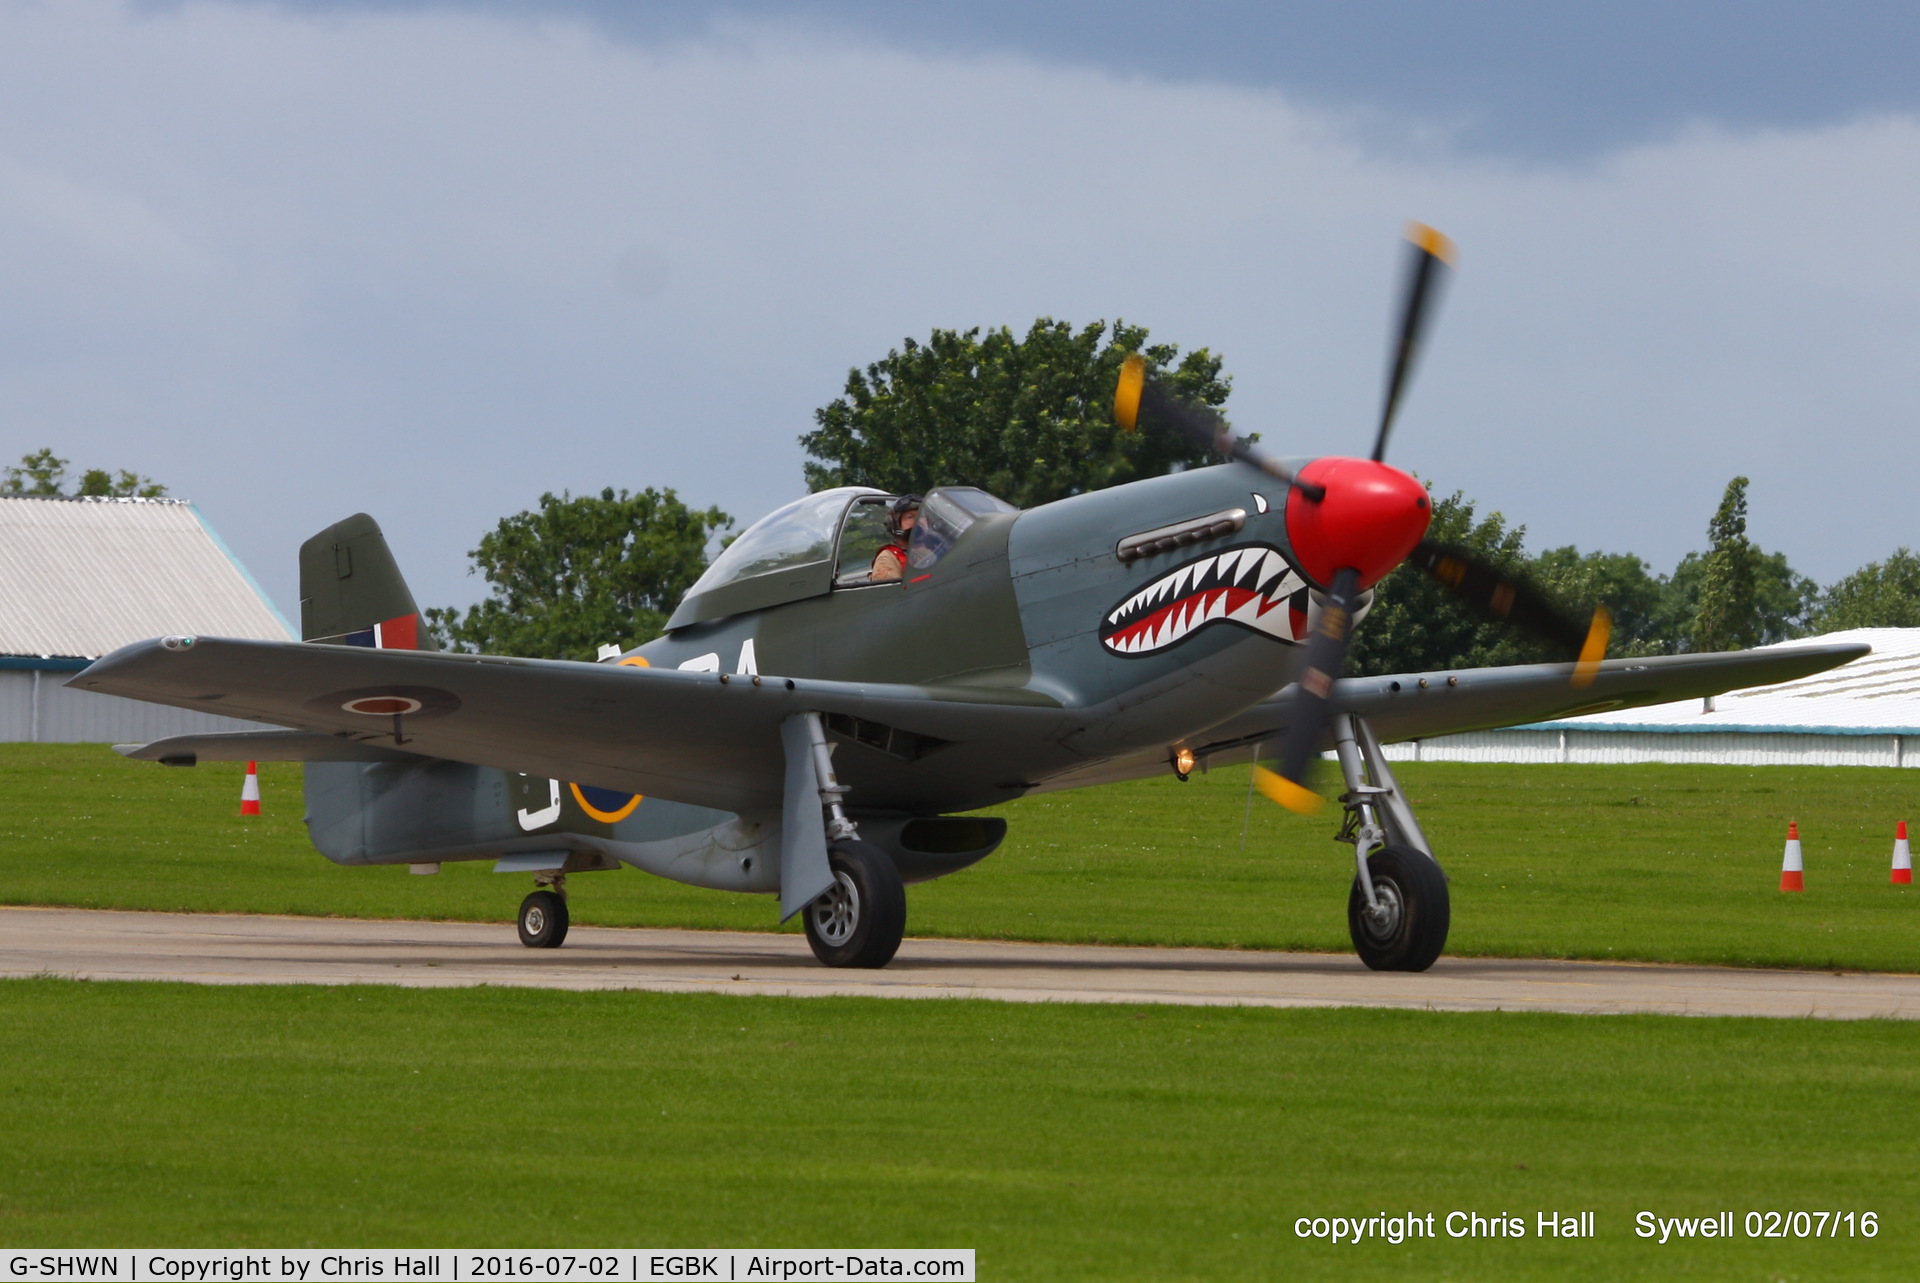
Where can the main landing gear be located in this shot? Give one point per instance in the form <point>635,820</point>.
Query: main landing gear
<point>859,919</point>
<point>1398,910</point>
<point>858,922</point>
<point>543,915</point>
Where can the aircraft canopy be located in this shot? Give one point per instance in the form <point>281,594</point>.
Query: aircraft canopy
<point>784,556</point>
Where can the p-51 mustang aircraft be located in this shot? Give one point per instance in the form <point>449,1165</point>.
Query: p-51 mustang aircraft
<point>807,728</point>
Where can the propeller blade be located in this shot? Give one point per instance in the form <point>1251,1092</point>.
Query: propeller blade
<point>1313,702</point>
<point>1426,266</point>
<point>1201,424</point>
<point>1496,595</point>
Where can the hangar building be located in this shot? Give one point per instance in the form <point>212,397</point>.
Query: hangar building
<point>1866,713</point>
<point>83,577</point>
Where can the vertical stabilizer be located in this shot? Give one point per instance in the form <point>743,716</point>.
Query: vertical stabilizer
<point>351,592</point>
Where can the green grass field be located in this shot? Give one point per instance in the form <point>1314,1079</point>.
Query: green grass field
<point>1059,1141</point>
<point>1673,863</point>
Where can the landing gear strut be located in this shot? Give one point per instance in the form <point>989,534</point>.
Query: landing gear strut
<point>543,915</point>
<point>1398,911</point>
<point>859,920</point>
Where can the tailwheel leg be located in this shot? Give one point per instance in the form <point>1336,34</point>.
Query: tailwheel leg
<point>543,915</point>
<point>1398,912</point>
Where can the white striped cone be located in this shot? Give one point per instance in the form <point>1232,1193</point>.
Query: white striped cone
<point>250,791</point>
<point>1791,872</point>
<point>1902,858</point>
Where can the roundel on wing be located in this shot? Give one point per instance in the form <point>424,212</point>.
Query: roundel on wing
<point>605,805</point>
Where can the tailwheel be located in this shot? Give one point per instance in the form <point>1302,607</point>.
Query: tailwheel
<point>858,921</point>
<point>1408,929</point>
<point>543,920</point>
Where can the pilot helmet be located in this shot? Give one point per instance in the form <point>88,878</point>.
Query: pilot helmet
<point>897,511</point>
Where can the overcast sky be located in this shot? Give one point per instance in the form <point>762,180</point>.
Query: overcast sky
<point>429,260</point>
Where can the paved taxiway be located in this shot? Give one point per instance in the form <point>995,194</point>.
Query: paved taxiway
<point>245,949</point>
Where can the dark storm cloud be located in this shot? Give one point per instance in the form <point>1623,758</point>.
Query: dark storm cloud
<point>1534,78</point>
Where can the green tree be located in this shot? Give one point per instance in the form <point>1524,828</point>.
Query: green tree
<point>1881,594</point>
<point>1784,600</point>
<point>126,485</point>
<point>1729,615</point>
<point>41,473</point>
<point>580,572</point>
<point>1618,580</point>
<point>1029,419</point>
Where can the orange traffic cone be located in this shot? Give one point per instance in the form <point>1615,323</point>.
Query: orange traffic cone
<point>1790,867</point>
<point>250,791</point>
<point>1902,857</point>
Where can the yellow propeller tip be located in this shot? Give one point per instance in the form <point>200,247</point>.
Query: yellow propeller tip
<point>1587,667</point>
<point>1432,242</point>
<point>1278,788</point>
<point>1126,397</point>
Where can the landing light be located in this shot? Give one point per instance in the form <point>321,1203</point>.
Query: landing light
<point>1183,763</point>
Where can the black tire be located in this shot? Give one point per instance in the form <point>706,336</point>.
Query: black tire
<point>859,921</point>
<point>543,920</point>
<point>1414,890</point>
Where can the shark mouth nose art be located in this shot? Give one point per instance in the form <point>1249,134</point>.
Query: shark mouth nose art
<point>1252,585</point>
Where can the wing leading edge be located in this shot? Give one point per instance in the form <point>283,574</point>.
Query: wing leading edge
<point>1407,706</point>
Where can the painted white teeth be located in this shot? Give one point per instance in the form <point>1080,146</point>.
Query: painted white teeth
<point>1188,598</point>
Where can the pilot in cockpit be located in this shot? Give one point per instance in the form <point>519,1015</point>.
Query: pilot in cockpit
<point>891,561</point>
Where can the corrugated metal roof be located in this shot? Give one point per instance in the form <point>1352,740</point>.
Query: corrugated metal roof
<point>83,577</point>
<point>1878,694</point>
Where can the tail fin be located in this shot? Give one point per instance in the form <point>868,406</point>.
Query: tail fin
<point>351,592</point>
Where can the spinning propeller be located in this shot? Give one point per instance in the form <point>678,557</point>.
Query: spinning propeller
<point>1352,521</point>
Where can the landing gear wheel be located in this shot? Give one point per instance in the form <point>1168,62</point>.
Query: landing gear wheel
<point>543,920</point>
<point>1411,929</point>
<point>858,921</point>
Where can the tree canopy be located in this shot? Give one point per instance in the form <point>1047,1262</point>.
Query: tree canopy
<point>578,573</point>
<point>1758,598</point>
<point>1029,419</point>
<point>1728,615</point>
<point>1881,594</point>
<point>41,473</point>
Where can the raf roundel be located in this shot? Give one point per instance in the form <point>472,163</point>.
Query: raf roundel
<point>383,705</point>
<point>413,702</point>
<point>604,805</point>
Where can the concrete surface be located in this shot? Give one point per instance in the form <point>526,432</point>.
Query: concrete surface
<point>246,949</point>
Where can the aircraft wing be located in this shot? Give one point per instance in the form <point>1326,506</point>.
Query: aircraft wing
<point>700,738</point>
<point>1407,706</point>
<point>1400,707</point>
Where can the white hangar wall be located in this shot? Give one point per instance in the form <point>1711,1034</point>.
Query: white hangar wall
<point>83,577</point>
<point>1725,748</point>
<point>37,707</point>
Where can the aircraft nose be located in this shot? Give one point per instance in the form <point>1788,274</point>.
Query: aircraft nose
<point>1371,518</point>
